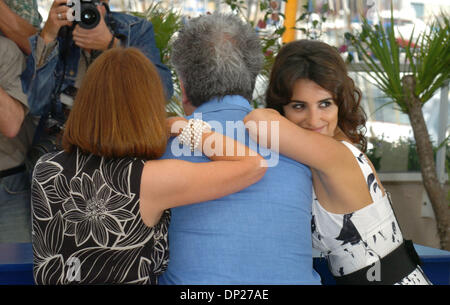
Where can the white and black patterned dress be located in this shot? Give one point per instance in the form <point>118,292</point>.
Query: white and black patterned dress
<point>87,227</point>
<point>356,240</point>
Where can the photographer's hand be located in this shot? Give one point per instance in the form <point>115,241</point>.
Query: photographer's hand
<point>57,18</point>
<point>97,38</point>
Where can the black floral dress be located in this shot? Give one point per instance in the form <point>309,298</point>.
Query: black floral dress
<point>356,240</point>
<point>87,228</point>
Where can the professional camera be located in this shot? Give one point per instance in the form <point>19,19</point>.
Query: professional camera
<point>86,13</point>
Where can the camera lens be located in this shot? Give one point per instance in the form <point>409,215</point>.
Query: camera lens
<point>90,17</point>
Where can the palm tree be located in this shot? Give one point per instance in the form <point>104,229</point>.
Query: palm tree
<point>410,85</point>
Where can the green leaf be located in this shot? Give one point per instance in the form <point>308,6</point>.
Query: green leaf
<point>350,58</point>
<point>302,17</point>
<point>280,31</point>
<point>427,58</point>
<point>348,36</point>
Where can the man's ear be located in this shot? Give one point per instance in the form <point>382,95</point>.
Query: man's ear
<point>187,105</point>
<point>184,98</point>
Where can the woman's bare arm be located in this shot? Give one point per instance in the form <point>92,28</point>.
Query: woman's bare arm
<point>171,183</point>
<point>308,147</point>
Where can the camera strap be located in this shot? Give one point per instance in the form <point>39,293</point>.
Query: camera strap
<point>55,108</point>
<point>111,23</point>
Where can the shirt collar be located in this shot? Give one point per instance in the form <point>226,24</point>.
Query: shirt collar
<point>225,103</point>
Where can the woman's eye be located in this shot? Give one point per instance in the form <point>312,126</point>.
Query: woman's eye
<point>298,106</point>
<point>325,104</point>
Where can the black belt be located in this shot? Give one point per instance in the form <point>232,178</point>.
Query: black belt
<point>390,269</point>
<point>12,171</point>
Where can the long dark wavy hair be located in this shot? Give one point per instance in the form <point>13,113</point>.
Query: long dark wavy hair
<point>322,64</point>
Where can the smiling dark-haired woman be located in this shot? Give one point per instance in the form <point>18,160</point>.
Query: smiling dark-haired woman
<point>100,207</point>
<point>321,125</point>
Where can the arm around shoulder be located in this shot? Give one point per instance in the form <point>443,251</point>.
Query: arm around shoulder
<point>311,148</point>
<point>171,183</point>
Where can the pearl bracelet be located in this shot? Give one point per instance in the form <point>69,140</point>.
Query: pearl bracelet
<point>192,133</point>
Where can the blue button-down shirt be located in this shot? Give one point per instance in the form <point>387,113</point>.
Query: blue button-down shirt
<point>261,235</point>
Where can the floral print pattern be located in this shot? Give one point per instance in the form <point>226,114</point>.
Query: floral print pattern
<point>85,208</point>
<point>98,211</point>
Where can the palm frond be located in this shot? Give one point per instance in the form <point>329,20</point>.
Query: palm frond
<point>427,58</point>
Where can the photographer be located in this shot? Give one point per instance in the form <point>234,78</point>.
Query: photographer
<point>62,52</point>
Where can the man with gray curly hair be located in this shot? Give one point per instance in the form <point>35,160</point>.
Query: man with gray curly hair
<point>216,56</point>
<point>261,235</point>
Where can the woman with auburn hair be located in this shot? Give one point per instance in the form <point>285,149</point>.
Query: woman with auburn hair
<point>100,207</point>
<point>321,124</point>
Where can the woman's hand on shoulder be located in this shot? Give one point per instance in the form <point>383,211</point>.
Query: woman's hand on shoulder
<point>175,125</point>
<point>260,132</point>
<point>262,114</point>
